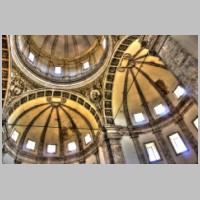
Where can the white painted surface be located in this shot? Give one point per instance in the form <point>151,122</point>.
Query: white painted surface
<point>129,151</point>
<point>101,157</point>
<point>189,43</point>
<point>7,159</point>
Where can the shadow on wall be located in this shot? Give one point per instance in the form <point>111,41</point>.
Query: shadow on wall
<point>189,43</point>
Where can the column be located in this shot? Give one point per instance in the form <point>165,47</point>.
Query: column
<point>97,157</point>
<point>138,149</point>
<point>117,151</point>
<point>107,152</point>
<point>163,146</point>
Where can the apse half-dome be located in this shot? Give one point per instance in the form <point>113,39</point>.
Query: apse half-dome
<point>61,60</point>
<point>140,90</point>
<point>51,129</point>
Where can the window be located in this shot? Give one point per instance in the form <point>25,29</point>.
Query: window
<point>86,65</point>
<point>57,70</point>
<point>51,148</point>
<point>152,152</point>
<point>139,117</point>
<point>30,145</point>
<point>15,135</point>
<point>104,43</point>
<point>72,146</point>
<point>160,109</point>
<point>195,122</point>
<point>179,92</point>
<point>88,138</point>
<point>31,57</point>
<point>177,143</point>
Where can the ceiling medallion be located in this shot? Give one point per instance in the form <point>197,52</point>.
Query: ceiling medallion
<point>95,95</point>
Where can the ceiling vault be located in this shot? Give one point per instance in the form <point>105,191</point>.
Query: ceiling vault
<point>112,98</point>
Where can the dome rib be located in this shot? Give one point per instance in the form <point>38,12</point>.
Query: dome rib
<point>45,41</point>
<point>66,54</point>
<point>86,40</point>
<point>53,47</point>
<point>161,93</point>
<point>143,99</point>
<point>24,134</point>
<point>78,135</point>
<point>84,118</point>
<point>75,46</point>
<point>153,64</point>
<point>125,102</point>
<point>42,137</point>
<point>60,134</point>
<point>26,111</point>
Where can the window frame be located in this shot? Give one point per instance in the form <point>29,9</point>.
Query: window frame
<point>161,114</point>
<point>194,123</point>
<point>156,161</point>
<point>68,146</point>
<point>90,138</point>
<point>27,143</point>
<point>32,61</point>
<point>178,98</point>
<point>187,149</point>
<point>17,136</point>
<point>87,61</point>
<point>139,121</point>
<point>58,74</point>
<point>47,149</point>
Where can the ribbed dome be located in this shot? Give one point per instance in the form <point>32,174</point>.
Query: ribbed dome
<point>141,87</point>
<point>67,47</point>
<point>61,59</point>
<point>52,121</point>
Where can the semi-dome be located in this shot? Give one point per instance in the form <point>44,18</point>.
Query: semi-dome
<point>64,60</point>
<point>141,91</point>
<point>52,129</point>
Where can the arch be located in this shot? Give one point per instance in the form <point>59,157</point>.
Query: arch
<point>110,75</point>
<point>81,100</point>
<point>17,150</point>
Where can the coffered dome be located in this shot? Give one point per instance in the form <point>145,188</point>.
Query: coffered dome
<point>61,60</point>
